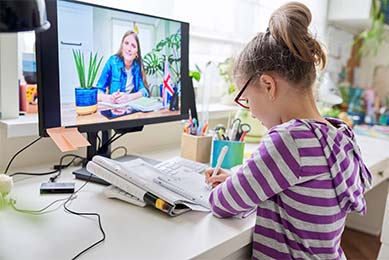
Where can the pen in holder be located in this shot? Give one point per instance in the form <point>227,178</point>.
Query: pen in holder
<point>234,155</point>
<point>196,148</point>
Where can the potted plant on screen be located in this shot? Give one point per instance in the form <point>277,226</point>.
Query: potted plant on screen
<point>86,93</point>
<point>166,49</point>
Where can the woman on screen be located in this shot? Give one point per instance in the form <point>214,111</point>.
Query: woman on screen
<point>123,77</point>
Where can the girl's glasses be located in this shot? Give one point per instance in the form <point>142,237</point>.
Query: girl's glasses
<point>243,102</point>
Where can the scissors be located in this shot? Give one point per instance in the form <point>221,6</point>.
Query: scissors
<point>242,131</point>
<point>239,130</point>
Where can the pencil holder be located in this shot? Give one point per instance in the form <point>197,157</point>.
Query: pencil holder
<point>196,148</point>
<point>234,155</point>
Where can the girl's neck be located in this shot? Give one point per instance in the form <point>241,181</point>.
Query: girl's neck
<point>128,64</point>
<point>303,107</point>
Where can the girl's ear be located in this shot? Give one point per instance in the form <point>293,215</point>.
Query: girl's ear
<point>270,86</point>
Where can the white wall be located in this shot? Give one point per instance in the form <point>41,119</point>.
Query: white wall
<point>9,72</point>
<point>368,63</point>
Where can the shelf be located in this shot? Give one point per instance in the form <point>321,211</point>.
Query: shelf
<point>26,125</point>
<point>352,16</point>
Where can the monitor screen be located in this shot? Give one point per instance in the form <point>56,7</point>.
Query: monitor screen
<point>102,68</point>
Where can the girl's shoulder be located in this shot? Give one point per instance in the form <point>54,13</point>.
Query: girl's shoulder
<point>116,60</point>
<point>288,128</point>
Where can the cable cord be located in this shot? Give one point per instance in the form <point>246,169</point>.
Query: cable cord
<point>75,156</point>
<point>118,148</point>
<point>70,198</point>
<point>85,214</point>
<point>34,173</point>
<point>58,168</point>
<point>42,210</point>
<point>111,140</point>
<point>21,150</point>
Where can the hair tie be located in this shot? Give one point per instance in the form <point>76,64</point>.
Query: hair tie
<point>267,30</point>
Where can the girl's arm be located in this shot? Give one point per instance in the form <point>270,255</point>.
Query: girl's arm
<point>143,91</point>
<point>274,167</point>
<point>105,78</point>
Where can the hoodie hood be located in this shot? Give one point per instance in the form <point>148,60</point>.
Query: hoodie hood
<point>350,176</point>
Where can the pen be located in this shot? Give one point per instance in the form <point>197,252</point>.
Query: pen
<point>190,116</point>
<point>194,130</point>
<point>199,128</point>
<point>205,127</point>
<point>219,162</point>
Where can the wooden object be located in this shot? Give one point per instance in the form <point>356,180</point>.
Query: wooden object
<point>196,148</point>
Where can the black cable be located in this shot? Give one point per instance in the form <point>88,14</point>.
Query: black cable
<point>108,142</point>
<point>58,168</point>
<point>34,174</point>
<point>53,178</point>
<point>85,214</point>
<point>99,141</point>
<point>71,197</point>
<point>112,139</point>
<point>21,150</point>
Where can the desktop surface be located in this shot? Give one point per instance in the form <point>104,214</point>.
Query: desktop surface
<point>132,232</point>
<point>70,117</point>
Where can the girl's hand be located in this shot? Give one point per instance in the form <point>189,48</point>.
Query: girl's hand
<point>220,177</point>
<point>105,98</point>
<point>121,97</point>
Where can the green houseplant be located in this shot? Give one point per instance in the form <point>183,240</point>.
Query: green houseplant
<point>86,93</point>
<point>166,49</point>
<point>373,37</point>
<point>226,72</point>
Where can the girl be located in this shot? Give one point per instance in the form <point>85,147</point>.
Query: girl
<point>307,173</point>
<point>123,73</point>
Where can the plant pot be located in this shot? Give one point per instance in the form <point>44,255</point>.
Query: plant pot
<point>86,101</point>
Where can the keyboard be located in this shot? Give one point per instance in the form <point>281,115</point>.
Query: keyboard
<point>176,164</point>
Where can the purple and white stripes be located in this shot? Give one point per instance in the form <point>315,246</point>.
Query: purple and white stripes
<point>303,179</point>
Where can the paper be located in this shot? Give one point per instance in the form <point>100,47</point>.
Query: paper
<point>67,139</point>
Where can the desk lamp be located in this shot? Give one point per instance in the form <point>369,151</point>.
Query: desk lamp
<point>23,15</point>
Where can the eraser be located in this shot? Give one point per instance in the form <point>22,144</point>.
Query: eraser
<point>57,187</point>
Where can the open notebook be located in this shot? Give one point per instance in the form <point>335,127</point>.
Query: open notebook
<point>172,194</point>
<point>142,104</point>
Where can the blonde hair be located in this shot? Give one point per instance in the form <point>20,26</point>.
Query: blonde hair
<point>286,48</point>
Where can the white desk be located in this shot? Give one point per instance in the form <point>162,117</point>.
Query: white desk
<point>132,232</point>
<point>384,250</point>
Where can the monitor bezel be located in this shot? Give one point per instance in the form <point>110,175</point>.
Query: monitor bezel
<point>48,76</point>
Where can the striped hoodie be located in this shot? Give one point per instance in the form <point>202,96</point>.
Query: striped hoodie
<point>303,179</point>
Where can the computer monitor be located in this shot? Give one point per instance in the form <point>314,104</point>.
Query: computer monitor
<point>142,78</point>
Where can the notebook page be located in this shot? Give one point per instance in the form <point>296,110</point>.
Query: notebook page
<point>189,184</point>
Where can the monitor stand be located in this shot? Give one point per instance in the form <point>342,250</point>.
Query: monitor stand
<point>105,150</point>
